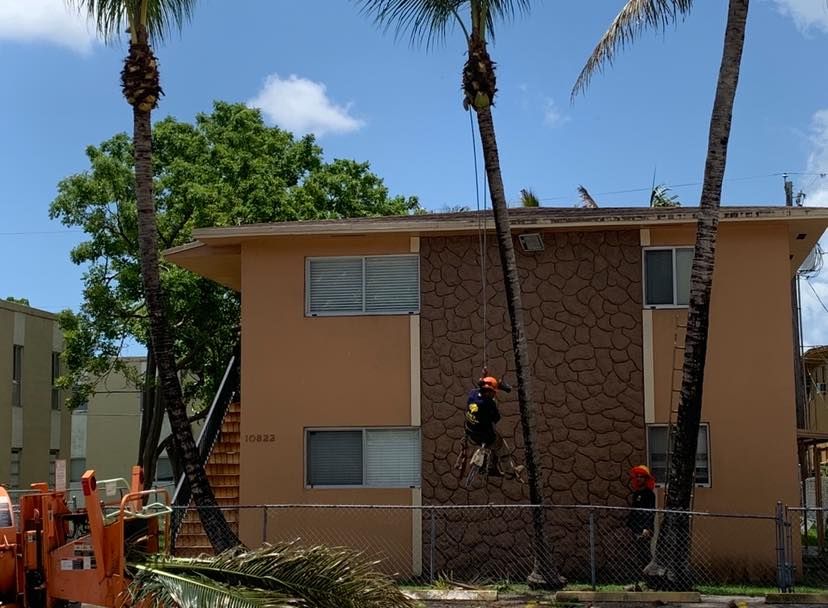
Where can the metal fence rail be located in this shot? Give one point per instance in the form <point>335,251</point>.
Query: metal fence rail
<point>479,544</point>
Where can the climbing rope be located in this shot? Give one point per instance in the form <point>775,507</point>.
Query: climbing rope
<point>481,240</point>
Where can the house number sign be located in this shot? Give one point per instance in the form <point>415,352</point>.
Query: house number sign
<point>260,438</point>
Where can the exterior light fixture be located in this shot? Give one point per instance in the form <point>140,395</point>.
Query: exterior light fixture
<point>531,242</point>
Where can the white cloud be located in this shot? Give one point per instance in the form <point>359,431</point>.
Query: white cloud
<point>45,21</point>
<point>552,116</point>
<point>806,14</point>
<point>303,106</point>
<point>815,290</point>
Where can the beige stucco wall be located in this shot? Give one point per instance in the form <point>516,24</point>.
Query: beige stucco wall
<point>301,372</point>
<point>113,422</point>
<point>748,387</point>
<point>42,428</point>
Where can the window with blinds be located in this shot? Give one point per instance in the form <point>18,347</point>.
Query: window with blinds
<point>657,446</point>
<point>14,468</point>
<point>367,285</point>
<point>371,458</point>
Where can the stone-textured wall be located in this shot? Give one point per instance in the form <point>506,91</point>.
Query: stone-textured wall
<point>582,297</point>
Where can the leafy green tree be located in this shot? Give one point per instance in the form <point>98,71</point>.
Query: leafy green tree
<point>428,21</point>
<point>670,566</point>
<point>226,168</point>
<point>21,301</point>
<point>660,197</point>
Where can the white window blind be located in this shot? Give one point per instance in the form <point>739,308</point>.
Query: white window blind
<point>657,445</point>
<point>376,458</point>
<point>392,284</point>
<point>388,284</point>
<point>393,458</point>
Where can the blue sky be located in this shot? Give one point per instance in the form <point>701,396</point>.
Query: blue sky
<point>319,66</point>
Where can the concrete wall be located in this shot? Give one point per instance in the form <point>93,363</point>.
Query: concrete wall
<point>301,372</point>
<point>34,426</point>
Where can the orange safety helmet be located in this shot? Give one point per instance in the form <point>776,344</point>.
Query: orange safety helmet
<point>488,382</point>
<point>639,471</point>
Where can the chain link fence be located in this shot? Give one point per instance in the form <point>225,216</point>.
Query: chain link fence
<point>805,527</point>
<point>494,544</point>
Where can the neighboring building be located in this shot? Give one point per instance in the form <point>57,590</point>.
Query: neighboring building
<point>106,430</point>
<point>34,422</point>
<point>361,339</point>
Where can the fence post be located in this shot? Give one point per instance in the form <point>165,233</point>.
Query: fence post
<point>781,553</point>
<point>433,539</point>
<point>789,562</point>
<point>264,525</point>
<point>592,549</point>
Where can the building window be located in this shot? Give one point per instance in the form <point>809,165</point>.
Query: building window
<point>14,468</point>
<point>370,458</point>
<point>371,285</point>
<point>17,375</point>
<point>667,276</point>
<point>53,454</point>
<point>55,376</point>
<point>657,441</point>
<point>77,467</point>
<point>163,469</point>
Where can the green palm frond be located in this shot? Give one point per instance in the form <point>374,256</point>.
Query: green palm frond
<point>660,197</point>
<point>426,22</point>
<point>113,17</point>
<point>316,576</point>
<point>635,17</point>
<point>161,589</point>
<point>529,199</point>
<point>586,197</point>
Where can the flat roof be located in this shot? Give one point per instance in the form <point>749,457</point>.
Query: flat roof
<point>27,310</point>
<point>521,218</point>
<point>215,253</point>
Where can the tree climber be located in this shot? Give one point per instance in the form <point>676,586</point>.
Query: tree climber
<point>481,417</point>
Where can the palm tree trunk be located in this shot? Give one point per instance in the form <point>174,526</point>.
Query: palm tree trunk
<point>544,573</point>
<point>671,564</point>
<point>220,535</point>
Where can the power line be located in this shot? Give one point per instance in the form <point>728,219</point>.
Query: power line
<point>825,308</point>
<point>38,232</point>
<point>688,184</point>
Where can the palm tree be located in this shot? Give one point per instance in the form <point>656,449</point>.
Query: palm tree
<point>428,21</point>
<point>586,198</point>
<point>284,575</point>
<point>670,566</point>
<point>529,198</point>
<point>660,197</point>
<point>148,20</point>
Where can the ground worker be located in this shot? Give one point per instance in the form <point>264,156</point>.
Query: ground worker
<point>481,417</point>
<point>641,523</point>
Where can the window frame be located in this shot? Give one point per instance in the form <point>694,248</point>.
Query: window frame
<point>55,375</point>
<point>16,460</point>
<point>364,429</point>
<point>363,312</point>
<point>673,249</point>
<point>17,375</point>
<point>664,425</point>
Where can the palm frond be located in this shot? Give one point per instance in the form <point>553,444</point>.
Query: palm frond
<point>159,588</point>
<point>316,576</point>
<point>529,199</point>
<point>635,17</point>
<point>426,22</point>
<point>113,17</point>
<point>589,202</point>
<point>660,197</point>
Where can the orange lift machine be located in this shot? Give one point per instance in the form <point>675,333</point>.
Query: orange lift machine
<point>51,556</point>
